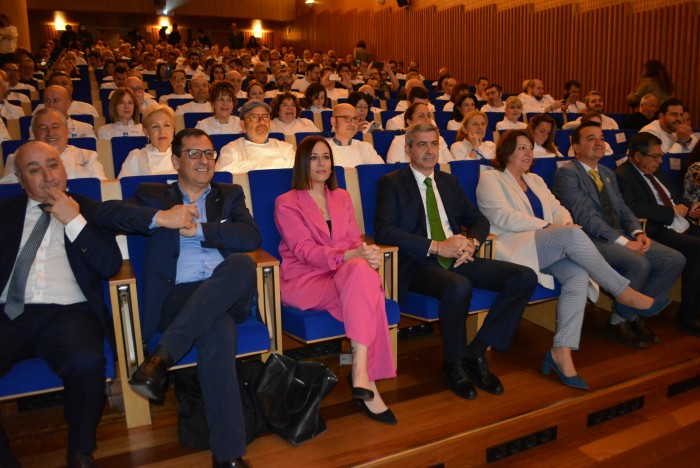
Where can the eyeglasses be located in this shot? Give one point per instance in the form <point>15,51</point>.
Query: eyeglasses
<point>258,117</point>
<point>349,118</point>
<point>655,157</point>
<point>198,153</point>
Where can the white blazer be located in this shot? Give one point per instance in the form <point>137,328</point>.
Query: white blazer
<point>512,220</point>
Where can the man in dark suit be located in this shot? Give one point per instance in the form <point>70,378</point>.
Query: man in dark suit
<point>650,194</point>
<point>51,266</point>
<point>590,192</point>
<point>424,212</point>
<point>198,282</point>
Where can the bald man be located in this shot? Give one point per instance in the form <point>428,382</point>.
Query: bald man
<point>57,97</point>
<point>347,151</point>
<point>199,89</point>
<point>74,107</point>
<point>51,127</point>
<point>236,80</point>
<point>56,311</point>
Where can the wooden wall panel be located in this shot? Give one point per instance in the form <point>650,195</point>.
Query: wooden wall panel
<point>603,47</point>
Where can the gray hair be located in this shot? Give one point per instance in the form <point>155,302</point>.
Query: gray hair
<point>250,105</point>
<point>419,128</point>
<point>45,111</point>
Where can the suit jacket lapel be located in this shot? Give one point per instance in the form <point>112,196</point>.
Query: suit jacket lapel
<point>312,213</point>
<point>411,187</point>
<point>642,181</point>
<point>173,196</point>
<point>214,203</point>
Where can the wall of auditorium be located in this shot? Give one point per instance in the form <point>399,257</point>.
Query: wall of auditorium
<point>603,44</point>
<point>275,10</point>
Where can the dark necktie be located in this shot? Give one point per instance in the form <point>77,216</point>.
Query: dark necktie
<point>660,190</point>
<point>437,233</point>
<point>14,306</point>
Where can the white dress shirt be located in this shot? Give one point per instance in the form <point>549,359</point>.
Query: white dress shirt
<point>166,97</point>
<point>51,279</point>
<point>296,126</point>
<point>213,127</point>
<point>147,161</point>
<point>489,108</point>
<point>606,123</point>
<point>668,140</point>
<point>422,188</point>
<point>242,155</point>
<point>118,129</point>
<point>356,153</point>
<point>193,106</point>
<point>10,111</point>
<point>532,105</point>
<point>76,108</point>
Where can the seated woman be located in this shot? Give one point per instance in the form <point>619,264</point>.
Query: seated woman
<point>363,102</point>
<point>416,113</point>
<point>285,116</point>
<point>315,98</point>
<point>124,112</point>
<point>162,72</point>
<point>470,142</point>
<point>535,230</point>
<point>325,265</point>
<point>511,117</point>
<point>155,157</point>
<point>591,116</point>
<point>256,91</point>
<point>222,97</point>
<point>542,127</point>
<point>464,104</point>
<point>217,73</point>
<point>457,91</point>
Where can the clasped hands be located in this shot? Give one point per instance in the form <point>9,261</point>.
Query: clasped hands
<point>458,247</point>
<point>181,217</point>
<point>370,253</point>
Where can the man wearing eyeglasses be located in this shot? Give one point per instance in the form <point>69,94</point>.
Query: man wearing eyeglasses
<point>135,84</point>
<point>178,80</point>
<point>649,192</point>
<point>347,151</point>
<point>590,191</point>
<point>199,283</point>
<point>255,149</point>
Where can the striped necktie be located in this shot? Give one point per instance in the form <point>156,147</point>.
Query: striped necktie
<point>14,306</point>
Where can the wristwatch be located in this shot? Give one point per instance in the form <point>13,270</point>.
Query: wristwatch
<point>477,244</point>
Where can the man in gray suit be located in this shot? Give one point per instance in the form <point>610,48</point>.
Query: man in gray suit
<point>590,192</point>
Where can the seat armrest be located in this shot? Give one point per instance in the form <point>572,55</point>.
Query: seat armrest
<point>388,268</point>
<point>643,222</point>
<point>488,248</point>
<point>268,287</point>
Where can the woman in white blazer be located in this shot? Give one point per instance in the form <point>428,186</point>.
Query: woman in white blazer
<point>535,230</point>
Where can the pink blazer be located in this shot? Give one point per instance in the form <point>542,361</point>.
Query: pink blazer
<point>310,253</point>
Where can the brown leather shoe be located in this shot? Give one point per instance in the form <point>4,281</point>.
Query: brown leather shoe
<point>644,333</point>
<point>80,460</point>
<point>624,334</point>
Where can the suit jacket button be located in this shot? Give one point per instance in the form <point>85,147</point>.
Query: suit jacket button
<point>171,281</point>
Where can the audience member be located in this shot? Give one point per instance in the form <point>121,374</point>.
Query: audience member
<point>222,96</point>
<point>675,136</point>
<point>512,115</point>
<point>417,113</point>
<point>470,142</point>
<point>199,89</point>
<point>125,115</point>
<point>155,157</point>
<point>543,127</point>
<point>347,151</point>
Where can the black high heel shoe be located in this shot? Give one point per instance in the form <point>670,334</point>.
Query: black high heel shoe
<point>387,417</point>
<point>359,393</point>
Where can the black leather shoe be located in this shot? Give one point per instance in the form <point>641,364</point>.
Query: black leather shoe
<point>387,417</point>
<point>479,371</point>
<point>624,334</point>
<point>359,393</point>
<point>644,333</point>
<point>691,328</point>
<point>150,378</point>
<point>80,460</point>
<point>238,463</point>
<point>459,381</point>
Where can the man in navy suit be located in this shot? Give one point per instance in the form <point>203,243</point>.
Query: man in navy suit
<point>198,282</point>
<point>590,192</point>
<point>55,309</point>
<point>648,191</point>
<point>424,212</point>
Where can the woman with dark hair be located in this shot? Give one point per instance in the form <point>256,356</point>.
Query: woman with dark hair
<point>315,98</point>
<point>655,80</point>
<point>326,266</point>
<point>222,97</point>
<point>543,127</point>
<point>464,104</point>
<point>457,91</point>
<point>162,72</point>
<point>363,103</point>
<point>285,116</point>
<point>536,231</point>
<point>256,91</point>
<point>124,113</point>
<point>217,73</point>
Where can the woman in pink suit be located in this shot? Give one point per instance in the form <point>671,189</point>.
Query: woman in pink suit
<point>325,265</point>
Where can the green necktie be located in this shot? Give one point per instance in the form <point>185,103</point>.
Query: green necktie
<point>596,179</point>
<point>436,231</point>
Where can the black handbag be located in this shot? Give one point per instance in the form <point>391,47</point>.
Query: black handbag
<point>290,394</point>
